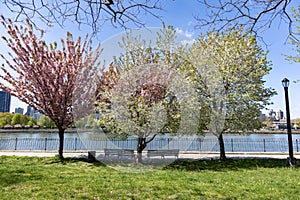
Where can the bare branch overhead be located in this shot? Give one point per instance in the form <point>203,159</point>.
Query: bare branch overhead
<point>94,13</point>
<point>255,15</point>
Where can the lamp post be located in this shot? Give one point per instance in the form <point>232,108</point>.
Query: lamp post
<point>291,161</point>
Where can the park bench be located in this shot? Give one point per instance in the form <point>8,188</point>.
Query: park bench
<point>163,152</point>
<point>118,152</point>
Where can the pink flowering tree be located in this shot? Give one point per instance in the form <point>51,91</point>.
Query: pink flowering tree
<point>42,76</point>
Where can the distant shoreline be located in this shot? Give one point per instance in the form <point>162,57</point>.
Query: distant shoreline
<point>34,130</point>
<point>276,132</point>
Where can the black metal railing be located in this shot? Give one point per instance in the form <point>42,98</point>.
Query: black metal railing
<point>184,144</point>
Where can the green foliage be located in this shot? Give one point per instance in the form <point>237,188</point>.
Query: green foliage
<point>226,69</point>
<point>24,120</point>
<point>231,66</point>
<point>87,122</point>
<point>5,118</point>
<point>138,53</point>
<point>31,121</point>
<point>45,121</point>
<point>267,122</point>
<point>109,125</point>
<point>13,119</point>
<point>16,119</point>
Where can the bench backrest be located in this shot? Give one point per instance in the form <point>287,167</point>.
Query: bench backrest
<point>164,151</point>
<point>118,151</point>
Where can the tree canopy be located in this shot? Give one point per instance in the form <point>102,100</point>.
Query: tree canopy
<point>143,94</point>
<point>43,76</point>
<point>13,119</point>
<point>230,67</point>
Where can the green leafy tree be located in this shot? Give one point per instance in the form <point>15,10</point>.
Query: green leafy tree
<point>91,121</point>
<point>267,122</point>
<point>24,120</point>
<point>16,119</point>
<point>138,82</point>
<point>5,119</point>
<point>230,67</point>
<point>13,119</point>
<point>45,121</point>
<point>31,121</point>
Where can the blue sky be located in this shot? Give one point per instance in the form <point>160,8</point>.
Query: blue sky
<point>180,14</point>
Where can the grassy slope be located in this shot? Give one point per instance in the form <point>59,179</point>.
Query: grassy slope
<point>47,178</point>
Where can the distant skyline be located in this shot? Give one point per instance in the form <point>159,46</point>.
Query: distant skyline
<point>181,16</point>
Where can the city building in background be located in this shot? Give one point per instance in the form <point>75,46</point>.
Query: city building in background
<point>279,115</point>
<point>37,115</point>
<point>19,110</point>
<point>33,113</point>
<point>277,120</point>
<point>5,99</point>
<point>272,114</point>
<point>29,111</point>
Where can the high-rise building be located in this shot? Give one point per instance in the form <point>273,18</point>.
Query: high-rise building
<point>19,110</point>
<point>279,115</point>
<point>5,99</point>
<point>30,111</point>
<point>272,114</point>
<point>37,115</point>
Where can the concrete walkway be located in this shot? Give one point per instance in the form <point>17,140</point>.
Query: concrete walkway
<point>182,155</point>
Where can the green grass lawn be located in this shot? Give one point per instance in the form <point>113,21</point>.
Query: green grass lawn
<point>48,178</point>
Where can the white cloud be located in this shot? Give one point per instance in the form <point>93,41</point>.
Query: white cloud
<point>190,23</point>
<point>184,33</point>
<point>188,42</point>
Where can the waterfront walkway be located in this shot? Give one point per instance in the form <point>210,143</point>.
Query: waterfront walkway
<point>182,155</point>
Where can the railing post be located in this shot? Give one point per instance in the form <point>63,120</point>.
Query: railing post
<point>200,144</point>
<point>297,145</point>
<point>264,140</point>
<point>231,144</point>
<point>75,144</point>
<point>16,143</point>
<point>45,144</point>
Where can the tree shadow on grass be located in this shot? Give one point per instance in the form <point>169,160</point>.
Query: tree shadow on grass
<point>17,176</point>
<point>23,169</point>
<point>67,160</point>
<point>226,165</point>
<point>199,165</point>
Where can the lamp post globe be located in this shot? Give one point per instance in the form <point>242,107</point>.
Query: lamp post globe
<point>291,161</point>
<point>285,82</point>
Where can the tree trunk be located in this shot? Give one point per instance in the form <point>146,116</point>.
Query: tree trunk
<point>140,147</point>
<point>61,133</point>
<point>222,147</point>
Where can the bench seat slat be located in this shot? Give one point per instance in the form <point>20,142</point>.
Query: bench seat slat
<point>163,152</point>
<point>118,152</point>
